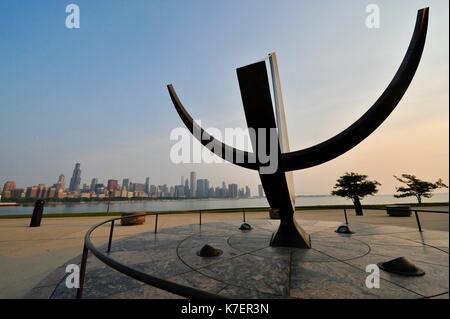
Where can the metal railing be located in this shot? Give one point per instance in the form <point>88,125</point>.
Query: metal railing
<point>184,291</point>
<point>181,290</point>
<point>412,209</point>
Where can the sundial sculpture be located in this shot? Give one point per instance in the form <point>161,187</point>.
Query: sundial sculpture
<point>258,107</point>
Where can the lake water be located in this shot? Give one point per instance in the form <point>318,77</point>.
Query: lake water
<point>193,204</point>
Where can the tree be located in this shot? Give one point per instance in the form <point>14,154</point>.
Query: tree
<point>355,187</point>
<point>416,187</point>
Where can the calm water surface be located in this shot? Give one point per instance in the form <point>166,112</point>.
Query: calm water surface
<point>192,204</point>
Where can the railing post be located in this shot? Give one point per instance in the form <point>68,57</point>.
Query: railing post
<point>156,223</point>
<point>200,217</point>
<point>418,221</point>
<point>111,230</point>
<point>345,214</point>
<point>243,214</point>
<point>84,258</point>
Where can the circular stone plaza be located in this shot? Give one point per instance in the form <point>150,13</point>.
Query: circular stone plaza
<point>337,265</point>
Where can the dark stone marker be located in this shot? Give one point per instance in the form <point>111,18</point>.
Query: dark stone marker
<point>209,251</point>
<point>401,266</point>
<point>344,229</point>
<point>37,213</point>
<point>245,226</point>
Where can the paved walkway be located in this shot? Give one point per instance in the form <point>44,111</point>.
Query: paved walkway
<point>27,255</point>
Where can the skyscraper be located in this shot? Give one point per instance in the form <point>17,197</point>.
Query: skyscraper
<point>206,186</point>
<point>248,192</point>
<point>9,186</point>
<point>260,191</point>
<point>138,187</point>
<point>42,191</point>
<point>126,183</point>
<point>224,192</point>
<point>113,184</point>
<point>75,181</point>
<point>32,192</point>
<point>94,182</point>
<point>193,186</point>
<point>186,188</point>
<point>61,184</point>
<point>180,191</point>
<point>147,185</point>
<point>202,188</point>
<point>233,190</point>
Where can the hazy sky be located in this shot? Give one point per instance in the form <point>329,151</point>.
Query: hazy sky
<point>98,94</point>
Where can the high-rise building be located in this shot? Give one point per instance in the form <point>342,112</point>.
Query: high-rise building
<point>32,192</point>
<point>211,192</point>
<point>113,184</point>
<point>179,191</point>
<point>260,191</point>
<point>61,184</point>
<point>8,187</point>
<point>163,190</point>
<point>218,192</point>
<point>75,181</point>
<point>193,185</point>
<point>182,180</point>
<point>138,187</point>
<point>147,185</point>
<point>52,192</point>
<point>233,190</point>
<point>206,188</point>
<point>17,193</point>
<point>99,189</point>
<point>224,191</point>
<point>186,188</point>
<point>42,191</point>
<point>153,191</point>
<point>172,192</point>
<point>126,183</point>
<point>248,193</point>
<point>123,192</point>
<point>202,188</point>
<point>199,188</point>
<point>94,182</point>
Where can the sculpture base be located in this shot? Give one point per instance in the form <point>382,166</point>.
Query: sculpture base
<point>290,234</point>
<point>334,267</point>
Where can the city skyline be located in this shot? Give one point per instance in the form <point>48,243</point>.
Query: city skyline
<point>90,184</point>
<point>127,188</point>
<point>116,117</point>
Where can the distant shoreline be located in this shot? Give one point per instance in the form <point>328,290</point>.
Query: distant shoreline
<point>224,210</point>
<point>119,200</point>
<point>52,202</point>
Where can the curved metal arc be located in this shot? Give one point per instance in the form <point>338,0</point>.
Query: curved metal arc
<point>173,287</point>
<point>373,118</point>
<point>240,157</point>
